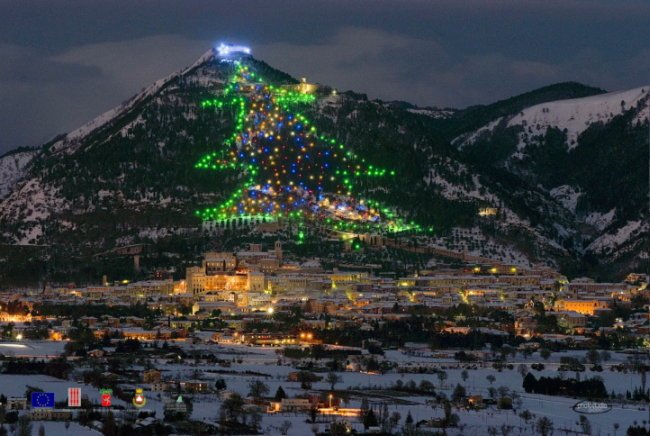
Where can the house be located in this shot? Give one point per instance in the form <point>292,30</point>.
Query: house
<point>151,376</point>
<point>289,405</point>
<point>303,376</point>
<point>88,321</point>
<point>525,326</point>
<point>162,386</point>
<point>195,386</point>
<point>16,403</point>
<point>96,353</point>
<point>571,320</point>
<point>225,394</point>
<point>585,307</point>
<point>475,401</point>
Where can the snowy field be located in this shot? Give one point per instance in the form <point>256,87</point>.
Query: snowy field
<point>32,349</point>
<point>559,409</point>
<point>264,362</point>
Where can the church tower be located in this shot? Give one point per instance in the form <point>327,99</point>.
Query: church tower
<point>278,251</point>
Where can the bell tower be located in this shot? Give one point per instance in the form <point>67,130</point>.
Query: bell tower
<point>278,251</point>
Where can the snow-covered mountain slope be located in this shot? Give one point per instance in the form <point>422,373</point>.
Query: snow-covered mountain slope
<point>80,174</point>
<point>72,140</point>
<point>630,232</point>
<point>130,173</point>
<point>573,116</point>
<point>567,196</point>
<point>12,169</point>
<point>109,178</point>
<point>432,112</point>
<point>586,155</point>
<point>577,115</point>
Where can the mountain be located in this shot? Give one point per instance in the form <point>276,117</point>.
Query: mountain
<point>562,165</point>
<point>586,154</point>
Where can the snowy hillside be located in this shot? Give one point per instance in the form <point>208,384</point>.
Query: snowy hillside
<point>578,114</point>
<point>573,115</point>
<point>433,113</point>
<point>629,234</point>
<point>586,155</point>
<point>129,175</point>
<point>72,140</point>
<point>12,168</point>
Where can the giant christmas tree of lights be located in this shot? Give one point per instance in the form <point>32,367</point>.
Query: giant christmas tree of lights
<point>287,168</point>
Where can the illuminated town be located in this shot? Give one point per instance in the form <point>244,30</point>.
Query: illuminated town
<point>261,338</point>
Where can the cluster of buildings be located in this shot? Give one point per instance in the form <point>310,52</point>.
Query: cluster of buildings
<point>250,285</point>
<point>242,297</point>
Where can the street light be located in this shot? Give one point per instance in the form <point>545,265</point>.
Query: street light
<point>331,396</point>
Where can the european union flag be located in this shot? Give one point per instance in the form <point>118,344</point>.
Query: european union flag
<point>42,399</point>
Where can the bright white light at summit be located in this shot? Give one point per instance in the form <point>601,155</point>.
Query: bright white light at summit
<point>226,50</point>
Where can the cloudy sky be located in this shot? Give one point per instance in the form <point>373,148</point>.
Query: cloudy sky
<point>62,62</point>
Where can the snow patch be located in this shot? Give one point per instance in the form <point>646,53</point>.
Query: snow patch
<point>433,113</point>
<point>601,220</point>
<point>470,138</point>
<point>12,169</point>
<point>609,241</point>
<point>573,116</point>
<point>567,196</point>
<point>576,115</point>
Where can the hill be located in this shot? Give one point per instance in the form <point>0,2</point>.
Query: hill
<point>563,166</point>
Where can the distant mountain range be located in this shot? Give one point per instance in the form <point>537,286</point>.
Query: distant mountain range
<point>564,169</point>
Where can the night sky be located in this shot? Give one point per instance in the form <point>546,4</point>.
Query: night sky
<point>65,62</point>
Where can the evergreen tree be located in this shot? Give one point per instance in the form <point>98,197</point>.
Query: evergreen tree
<point>459,393</point>
<point>409,427</point>
<point>370,419</point>
<point>530,383</point>
<point>220,384</point>
<point>109,427</point>
<point>280,394</point>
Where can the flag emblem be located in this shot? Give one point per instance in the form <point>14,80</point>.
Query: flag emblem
<point>42,399</point>
<point>74,397</point>
<point>138,399</point>
<point>106,397</point>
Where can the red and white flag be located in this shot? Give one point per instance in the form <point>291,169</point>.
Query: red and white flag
<point>74,397</point>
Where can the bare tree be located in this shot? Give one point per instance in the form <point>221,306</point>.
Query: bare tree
<point>638,364</point>
<point>284,427</point>
<point>257,389</point>
<point>333,379</point>
<point>442,376</point>
<point>522,369</point>
<point>544,426</point>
